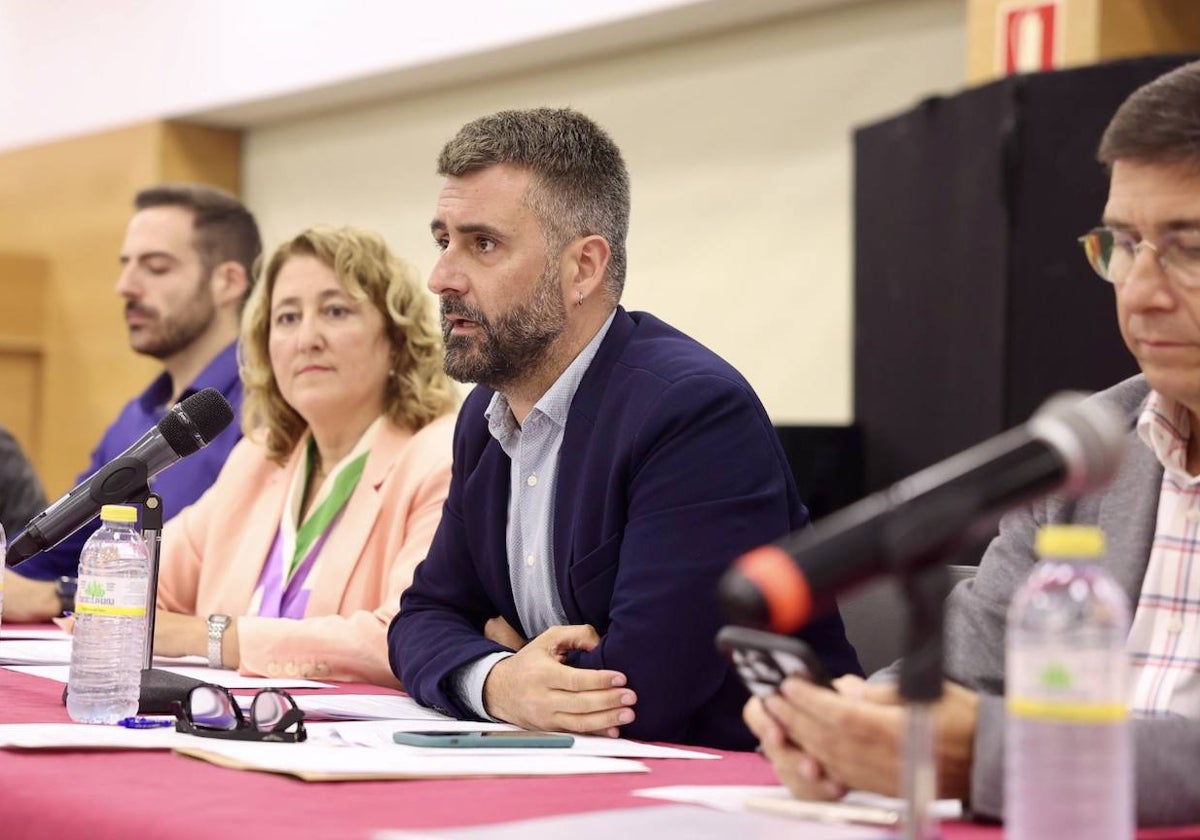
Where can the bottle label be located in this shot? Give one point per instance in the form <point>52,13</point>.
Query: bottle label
<point>111,596</point>
<point>1067,685</point>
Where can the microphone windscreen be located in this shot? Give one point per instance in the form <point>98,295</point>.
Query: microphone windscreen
<point>1089,434</point>
<point>195,421</point>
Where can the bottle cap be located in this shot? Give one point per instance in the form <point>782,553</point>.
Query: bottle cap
<point>1069,541</point>
<point>118,513</point>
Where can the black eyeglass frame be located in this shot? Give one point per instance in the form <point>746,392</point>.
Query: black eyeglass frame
<point>245,729</point>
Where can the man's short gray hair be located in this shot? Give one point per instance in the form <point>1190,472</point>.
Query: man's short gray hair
<point>580,184</point>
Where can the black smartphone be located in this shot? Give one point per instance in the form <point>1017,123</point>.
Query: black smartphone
<point>502,738</point>
<point>764,659</point>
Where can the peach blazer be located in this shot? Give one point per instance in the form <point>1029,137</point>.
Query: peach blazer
<point>213,553</point>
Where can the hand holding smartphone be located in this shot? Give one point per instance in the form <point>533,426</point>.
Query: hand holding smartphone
<point>763,660</point>
<point>504,739</point>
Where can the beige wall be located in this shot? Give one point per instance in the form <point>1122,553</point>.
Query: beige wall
<point>739,147</point>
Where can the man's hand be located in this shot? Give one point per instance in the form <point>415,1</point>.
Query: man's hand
<point>853,736</point>
<point>502,633</point>
<point>535,690</point>
<point>797,770</point>
<point>27,600</point>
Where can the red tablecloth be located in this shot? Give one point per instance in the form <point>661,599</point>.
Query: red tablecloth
<point>122,795</point>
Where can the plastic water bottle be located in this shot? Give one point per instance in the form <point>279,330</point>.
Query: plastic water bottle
<point>110,619</point>
<point>1068,753</point>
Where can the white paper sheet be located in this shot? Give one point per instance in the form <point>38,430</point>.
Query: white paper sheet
<point>372,707</point>
<point>667,822</point>
<point>216,676</point>
<point>379,734</point>
<point>321,760</point>
<point>33,632</point>
<point>58,652</point>
<point>35,651</point>
<point>733,798</point>
<point>81,736</point>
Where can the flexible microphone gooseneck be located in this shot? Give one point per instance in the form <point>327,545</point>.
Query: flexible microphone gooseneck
<point>186,428</point>
<point>1071,444</point>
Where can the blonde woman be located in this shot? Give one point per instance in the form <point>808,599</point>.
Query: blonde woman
<point>293,563</point>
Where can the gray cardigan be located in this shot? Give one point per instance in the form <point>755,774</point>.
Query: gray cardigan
<point>1167,750</point>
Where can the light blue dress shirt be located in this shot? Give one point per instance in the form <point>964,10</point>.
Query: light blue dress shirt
<point>533,448</point>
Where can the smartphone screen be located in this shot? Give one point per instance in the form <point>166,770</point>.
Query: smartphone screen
<point>504,739</point>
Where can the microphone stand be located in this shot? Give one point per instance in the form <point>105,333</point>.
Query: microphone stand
<point>925,582</point>
<point>921,687</point>
<point>161,690</point>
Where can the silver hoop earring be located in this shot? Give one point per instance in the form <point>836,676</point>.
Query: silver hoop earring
<point>580,303</point>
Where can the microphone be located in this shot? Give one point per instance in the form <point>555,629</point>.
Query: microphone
<point>187,427</point>
<point>1071,444</point>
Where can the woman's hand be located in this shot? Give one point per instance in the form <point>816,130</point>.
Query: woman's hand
<point>176,634</point>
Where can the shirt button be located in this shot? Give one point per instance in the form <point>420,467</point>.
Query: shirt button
<point>530,560</point>
<point>1175,625</point>
<point>1192,515</point>
<point>531,481</point>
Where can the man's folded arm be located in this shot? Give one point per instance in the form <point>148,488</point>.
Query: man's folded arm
<point>709,484</point>
<point>440,624</point>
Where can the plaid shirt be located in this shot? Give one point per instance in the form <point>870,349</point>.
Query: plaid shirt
<point>1164,641</point>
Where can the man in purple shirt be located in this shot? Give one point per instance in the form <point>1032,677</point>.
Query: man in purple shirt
<point>186,269</point>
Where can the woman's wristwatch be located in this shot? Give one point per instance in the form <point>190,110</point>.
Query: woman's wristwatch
<point>217,625</point>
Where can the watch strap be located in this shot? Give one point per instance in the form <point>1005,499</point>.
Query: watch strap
<point>217,625</point>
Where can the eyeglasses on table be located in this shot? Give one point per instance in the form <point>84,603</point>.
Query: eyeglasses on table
<point>210,711</point>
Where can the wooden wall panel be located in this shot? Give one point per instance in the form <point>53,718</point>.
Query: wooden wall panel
<point>67,204</point>
<point>22,331</point>
<point>199,153</point>
<point>1092,31</point>
<point>1142,27</point>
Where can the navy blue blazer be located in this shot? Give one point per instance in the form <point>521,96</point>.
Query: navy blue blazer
<point>669,469</point>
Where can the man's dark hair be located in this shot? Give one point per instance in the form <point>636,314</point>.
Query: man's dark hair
<point>223,230</point>
<point>1159,122</point>
<point>580,186</point>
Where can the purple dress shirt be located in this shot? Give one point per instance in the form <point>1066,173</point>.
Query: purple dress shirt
<point>179,484</point>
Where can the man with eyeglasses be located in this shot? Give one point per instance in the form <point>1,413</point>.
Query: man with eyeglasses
<point>822,742</point>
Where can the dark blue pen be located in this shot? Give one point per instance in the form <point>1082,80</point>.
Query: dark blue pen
<point>144,722</point>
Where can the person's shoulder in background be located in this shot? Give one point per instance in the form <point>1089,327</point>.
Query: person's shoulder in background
<point>21,493</point>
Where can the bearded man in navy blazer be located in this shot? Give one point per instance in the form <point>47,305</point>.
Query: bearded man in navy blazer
<point>606,470</point>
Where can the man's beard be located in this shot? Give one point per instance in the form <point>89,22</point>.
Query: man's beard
<point>163,337</point>
<point>512,346</point>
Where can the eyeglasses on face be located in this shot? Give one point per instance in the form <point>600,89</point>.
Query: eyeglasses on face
<point>1111,253</point>
<point>210,711</point>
